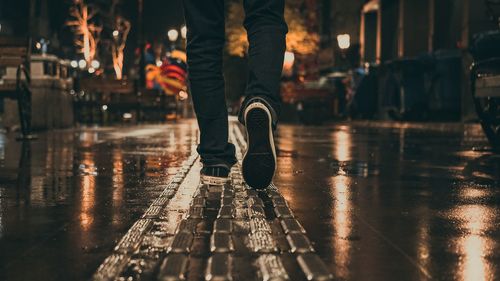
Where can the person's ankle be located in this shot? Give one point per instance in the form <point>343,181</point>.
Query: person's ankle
<point>217,174</point>
<point>262,100</point>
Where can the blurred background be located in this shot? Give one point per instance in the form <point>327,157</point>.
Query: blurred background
<point>106,61</point>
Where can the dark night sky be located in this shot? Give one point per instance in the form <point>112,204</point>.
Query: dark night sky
<point>161,15</point>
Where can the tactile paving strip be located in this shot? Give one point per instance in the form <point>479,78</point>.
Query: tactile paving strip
<point>151,234</point>
<point>270,266</point>
<point>202,232</point>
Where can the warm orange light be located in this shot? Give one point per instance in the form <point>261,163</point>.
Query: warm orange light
<point>88,33</point>
<point>118,186</point>
<point>88,192</point>
<point>120,35</point>
<point>183,95</point>
<point>342,222</point>
<point>474,246</point>
<point>342,144</point>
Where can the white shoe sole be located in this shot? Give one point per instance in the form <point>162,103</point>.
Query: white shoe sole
<point>210,180</point>
<point>259,161</point>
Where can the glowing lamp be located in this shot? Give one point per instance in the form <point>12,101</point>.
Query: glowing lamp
<point>288,62</point>
<point>95,64</point>
<point>289,59</point>
<point>184,32</point>
<point>344,41</point>
<point>173,35</point>
<point>183,95</point>
<point>82,64</point>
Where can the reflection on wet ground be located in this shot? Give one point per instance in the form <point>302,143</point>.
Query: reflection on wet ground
<point>380,201</point>
<point>66,198</point>
<point>384,201</point>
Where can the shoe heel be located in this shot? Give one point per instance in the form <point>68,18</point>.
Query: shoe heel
<point>259,162</point>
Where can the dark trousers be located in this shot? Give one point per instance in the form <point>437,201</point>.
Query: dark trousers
<point>266,30</point>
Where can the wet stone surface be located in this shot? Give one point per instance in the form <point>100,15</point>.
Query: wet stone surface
<point>360,201</point>
<point>67,199</point>
<point>387,201</point>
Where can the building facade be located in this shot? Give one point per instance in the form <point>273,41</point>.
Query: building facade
<point>406,28</point>
<point>411,29</point>
<point>336,17</point>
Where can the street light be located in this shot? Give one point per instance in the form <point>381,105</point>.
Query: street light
<point>288,62</point>
<point>82,64</point>
<point>95,64</point>
<point>173,35</point>
<point>184,32</point>
<point>344,41</point>
<point>115,33</point>
<point>289,57</point>
<point>183,95</point>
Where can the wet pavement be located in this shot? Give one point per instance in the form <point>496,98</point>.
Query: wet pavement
<point>379,201</point>
<point>65,204</point>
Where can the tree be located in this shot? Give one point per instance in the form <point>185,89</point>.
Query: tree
<point>121,29</point>
<point>87,31</point>
<point>299,39</point>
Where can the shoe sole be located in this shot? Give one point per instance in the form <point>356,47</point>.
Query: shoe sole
<point>210,180</point>
<point>259,162</point>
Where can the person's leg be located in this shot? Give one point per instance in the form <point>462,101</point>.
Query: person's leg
<point>266,30</point>
<point>205,43</point>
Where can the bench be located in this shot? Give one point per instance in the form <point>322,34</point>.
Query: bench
<point>120,97</point>
<point>15,78</point>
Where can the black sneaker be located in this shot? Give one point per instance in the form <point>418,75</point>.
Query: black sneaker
<point>259,162</point>
<point>215,174</point>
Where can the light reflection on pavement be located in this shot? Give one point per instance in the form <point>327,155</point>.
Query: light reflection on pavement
<point>380,201</point>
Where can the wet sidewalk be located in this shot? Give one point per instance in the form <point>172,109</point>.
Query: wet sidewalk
<point>376,201</point>
<point>73,194</point>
